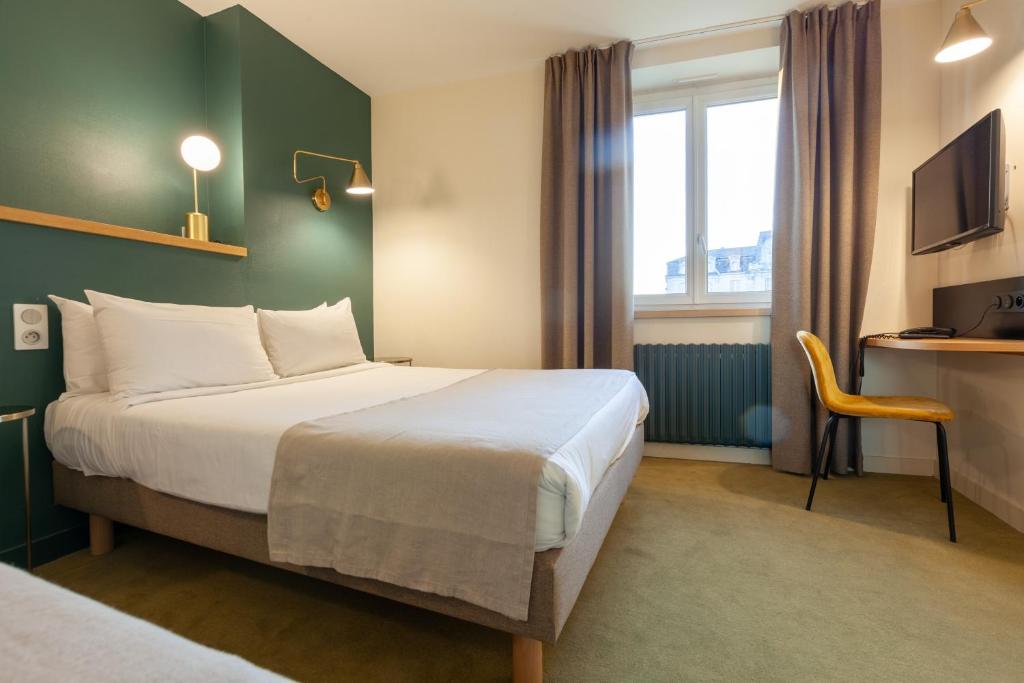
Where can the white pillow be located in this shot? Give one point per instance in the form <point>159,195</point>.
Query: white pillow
<point>153,347</point>
<point>261,312</point>
<point>85,368</point>
<point>300,342</point>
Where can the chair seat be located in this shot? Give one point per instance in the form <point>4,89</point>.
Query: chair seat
<point>892,407</point>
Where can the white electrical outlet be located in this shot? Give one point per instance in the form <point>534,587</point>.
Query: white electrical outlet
<point>31,327</point>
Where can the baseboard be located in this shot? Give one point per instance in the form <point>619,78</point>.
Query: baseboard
<point>882,464</point>
<point>684,451</point>
<point>891,464</point>
<point>1006,509</point>
<point>1003,507</point>
<point>48,548</point>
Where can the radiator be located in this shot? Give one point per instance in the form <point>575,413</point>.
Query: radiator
<point>710,394</point>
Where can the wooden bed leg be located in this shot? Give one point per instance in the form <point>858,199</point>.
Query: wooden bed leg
<point>101,535</point>
<point>527,660</point>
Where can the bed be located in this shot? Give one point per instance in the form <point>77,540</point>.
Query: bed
<point>199,465</point>
<point>48,633</point>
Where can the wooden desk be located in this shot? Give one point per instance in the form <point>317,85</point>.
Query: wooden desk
<point>1013,347</point>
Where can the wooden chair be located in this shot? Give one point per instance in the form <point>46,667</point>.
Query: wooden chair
<point>840,404</point>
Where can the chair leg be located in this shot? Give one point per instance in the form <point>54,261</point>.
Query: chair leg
<point>945,479</point>
<point>830,427</point>
<point>831,450</point>
<point>939,437</point>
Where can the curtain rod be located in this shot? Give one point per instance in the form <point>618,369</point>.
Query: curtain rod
<point>709,29</point>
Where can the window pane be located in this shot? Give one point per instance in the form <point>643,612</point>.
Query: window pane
<point>659,203</point>
<point>740,195</point>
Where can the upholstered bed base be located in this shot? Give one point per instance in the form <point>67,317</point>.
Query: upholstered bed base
<point>558,574</point>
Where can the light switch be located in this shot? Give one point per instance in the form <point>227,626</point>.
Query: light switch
<point>31,328</point>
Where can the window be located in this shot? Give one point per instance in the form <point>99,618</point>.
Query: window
<point>704,182</point>
<point>659,203</point>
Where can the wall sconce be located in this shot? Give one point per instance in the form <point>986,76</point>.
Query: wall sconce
<point>202,154</point>
<point>966,37</point>
<point>358,184</point>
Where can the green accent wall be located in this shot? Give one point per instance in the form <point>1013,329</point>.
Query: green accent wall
<point>97,97</point>
<point>290,101</point>
<point>223,76</point>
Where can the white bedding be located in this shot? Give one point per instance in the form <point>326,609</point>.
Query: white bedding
<point>49,635</point>
<point>217,445</point>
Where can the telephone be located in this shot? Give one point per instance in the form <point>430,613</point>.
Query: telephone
<point>928,333</point>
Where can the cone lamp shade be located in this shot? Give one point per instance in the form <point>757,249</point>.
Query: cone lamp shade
<point>360,183</point>
<point>966,38</point>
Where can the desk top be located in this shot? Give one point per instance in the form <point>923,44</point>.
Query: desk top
<point>1011,346</point>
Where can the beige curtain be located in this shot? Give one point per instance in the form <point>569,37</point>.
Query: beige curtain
<point>587,210</point>
<point>826,199</point>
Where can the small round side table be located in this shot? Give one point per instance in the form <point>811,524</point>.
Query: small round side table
<point>13,414</point>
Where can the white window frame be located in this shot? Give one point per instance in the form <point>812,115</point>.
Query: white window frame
<point>695,101</point>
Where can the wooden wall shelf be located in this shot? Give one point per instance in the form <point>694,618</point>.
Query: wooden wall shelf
<point>50,220</point>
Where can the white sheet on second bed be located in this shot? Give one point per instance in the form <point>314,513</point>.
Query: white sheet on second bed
<point>218,445</point>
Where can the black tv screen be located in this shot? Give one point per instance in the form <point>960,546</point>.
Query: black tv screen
<point>958,193</point>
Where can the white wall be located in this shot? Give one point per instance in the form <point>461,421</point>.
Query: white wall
<point>456,209</point>
<point>738,330</point>
<point>900,287</point>
<point>986,390</point>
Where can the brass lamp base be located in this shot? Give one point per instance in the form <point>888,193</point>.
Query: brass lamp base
<point>321,198</point>
<point>197,226</point>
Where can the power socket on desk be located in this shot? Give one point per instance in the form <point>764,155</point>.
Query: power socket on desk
<point>1011,302</point>
<point>962,306</point>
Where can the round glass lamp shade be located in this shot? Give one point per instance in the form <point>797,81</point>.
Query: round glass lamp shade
<point>966,38</point>
<point>200,153</point>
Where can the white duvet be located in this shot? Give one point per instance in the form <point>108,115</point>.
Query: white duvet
<point>48,634</point>
<point>218,445</point>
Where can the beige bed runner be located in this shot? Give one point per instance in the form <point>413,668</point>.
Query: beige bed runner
<point>437,492</point>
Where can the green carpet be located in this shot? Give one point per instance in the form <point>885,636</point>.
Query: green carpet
<point>711,572</point>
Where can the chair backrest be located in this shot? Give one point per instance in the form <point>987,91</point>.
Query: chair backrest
<point>825,383</point>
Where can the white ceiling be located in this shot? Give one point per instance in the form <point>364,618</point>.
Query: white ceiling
<point>385,46</point>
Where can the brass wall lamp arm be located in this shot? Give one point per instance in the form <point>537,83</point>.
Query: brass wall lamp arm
<point>359,184</point>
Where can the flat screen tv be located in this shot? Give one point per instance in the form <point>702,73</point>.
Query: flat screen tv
<point>959,194</point>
